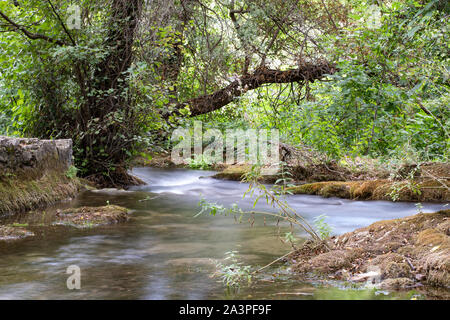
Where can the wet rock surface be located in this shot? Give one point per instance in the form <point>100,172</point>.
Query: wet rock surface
<point>88,217</point>
<point>14,233</point>
<point>237,173</point>
<point>31,153</point>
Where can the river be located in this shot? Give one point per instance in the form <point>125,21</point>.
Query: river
<point>164,252</point>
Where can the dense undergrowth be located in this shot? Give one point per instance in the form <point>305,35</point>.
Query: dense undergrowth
<point>388,98</point>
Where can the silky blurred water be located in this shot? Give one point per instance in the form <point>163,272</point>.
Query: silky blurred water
<point>164,252</point>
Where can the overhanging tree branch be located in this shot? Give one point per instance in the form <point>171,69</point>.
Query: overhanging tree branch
<point>307,71</point>
<point>62,22</point>
<point>29,34</point>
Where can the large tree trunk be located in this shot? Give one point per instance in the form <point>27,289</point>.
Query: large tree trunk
<point>103,128</point>
<point>106,147</point>
<point>208,103</point>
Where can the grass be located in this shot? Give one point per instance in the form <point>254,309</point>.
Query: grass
<point>21,194</point>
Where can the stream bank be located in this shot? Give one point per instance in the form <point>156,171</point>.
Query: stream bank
<point>429,182</point>
<point>163,252</point>
<point>354,179</point>
<point>35,174</point>
<point>402,253</point>
<point>406,190</point>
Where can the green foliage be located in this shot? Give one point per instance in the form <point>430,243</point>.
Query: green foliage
<point>5,123</point>
<point>389,99</point>
<point>235,273</point>
<point>322,227</point>
<point>409,184</point>
<point>398,187</point>
<point>67,88</point>
<point>199,162</point>
<point>71,173</point>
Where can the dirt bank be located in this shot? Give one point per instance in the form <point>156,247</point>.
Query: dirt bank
<point>393,254</point>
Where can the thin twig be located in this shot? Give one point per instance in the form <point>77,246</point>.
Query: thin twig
<point>268,265</point>
<point>29,34</point>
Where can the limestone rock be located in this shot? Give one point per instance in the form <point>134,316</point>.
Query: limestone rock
<point>31,153</point>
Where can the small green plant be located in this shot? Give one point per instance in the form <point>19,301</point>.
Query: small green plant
<point>89,225</point>
<point>284,181</point>
<point>71,173</point>
<point>419,207</point>
<point>398,187</point>
<point>289,237</point>
<point>212,208</point>
<point>200,163</point>
<point>272,197</point>
<point>8,174</point>
<point>322,227</point>
<point>235,273</point>
<point>19,225</point>
<point>410,184</point>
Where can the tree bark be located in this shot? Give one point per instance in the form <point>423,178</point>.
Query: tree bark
<point>211,102</point>
<point>107,142</point>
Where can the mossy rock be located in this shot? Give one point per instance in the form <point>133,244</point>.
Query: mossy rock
<point>325,189</point>
<point>237,172</point>
<point>425,191</point>
<point>309,188</point>
<point>14,233</point>
<point>336,190</point>
<point>364,190</point>
<point>88,217</point>
<point>234,173</point>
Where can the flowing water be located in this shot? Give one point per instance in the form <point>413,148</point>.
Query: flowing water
<point>164,252</point>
